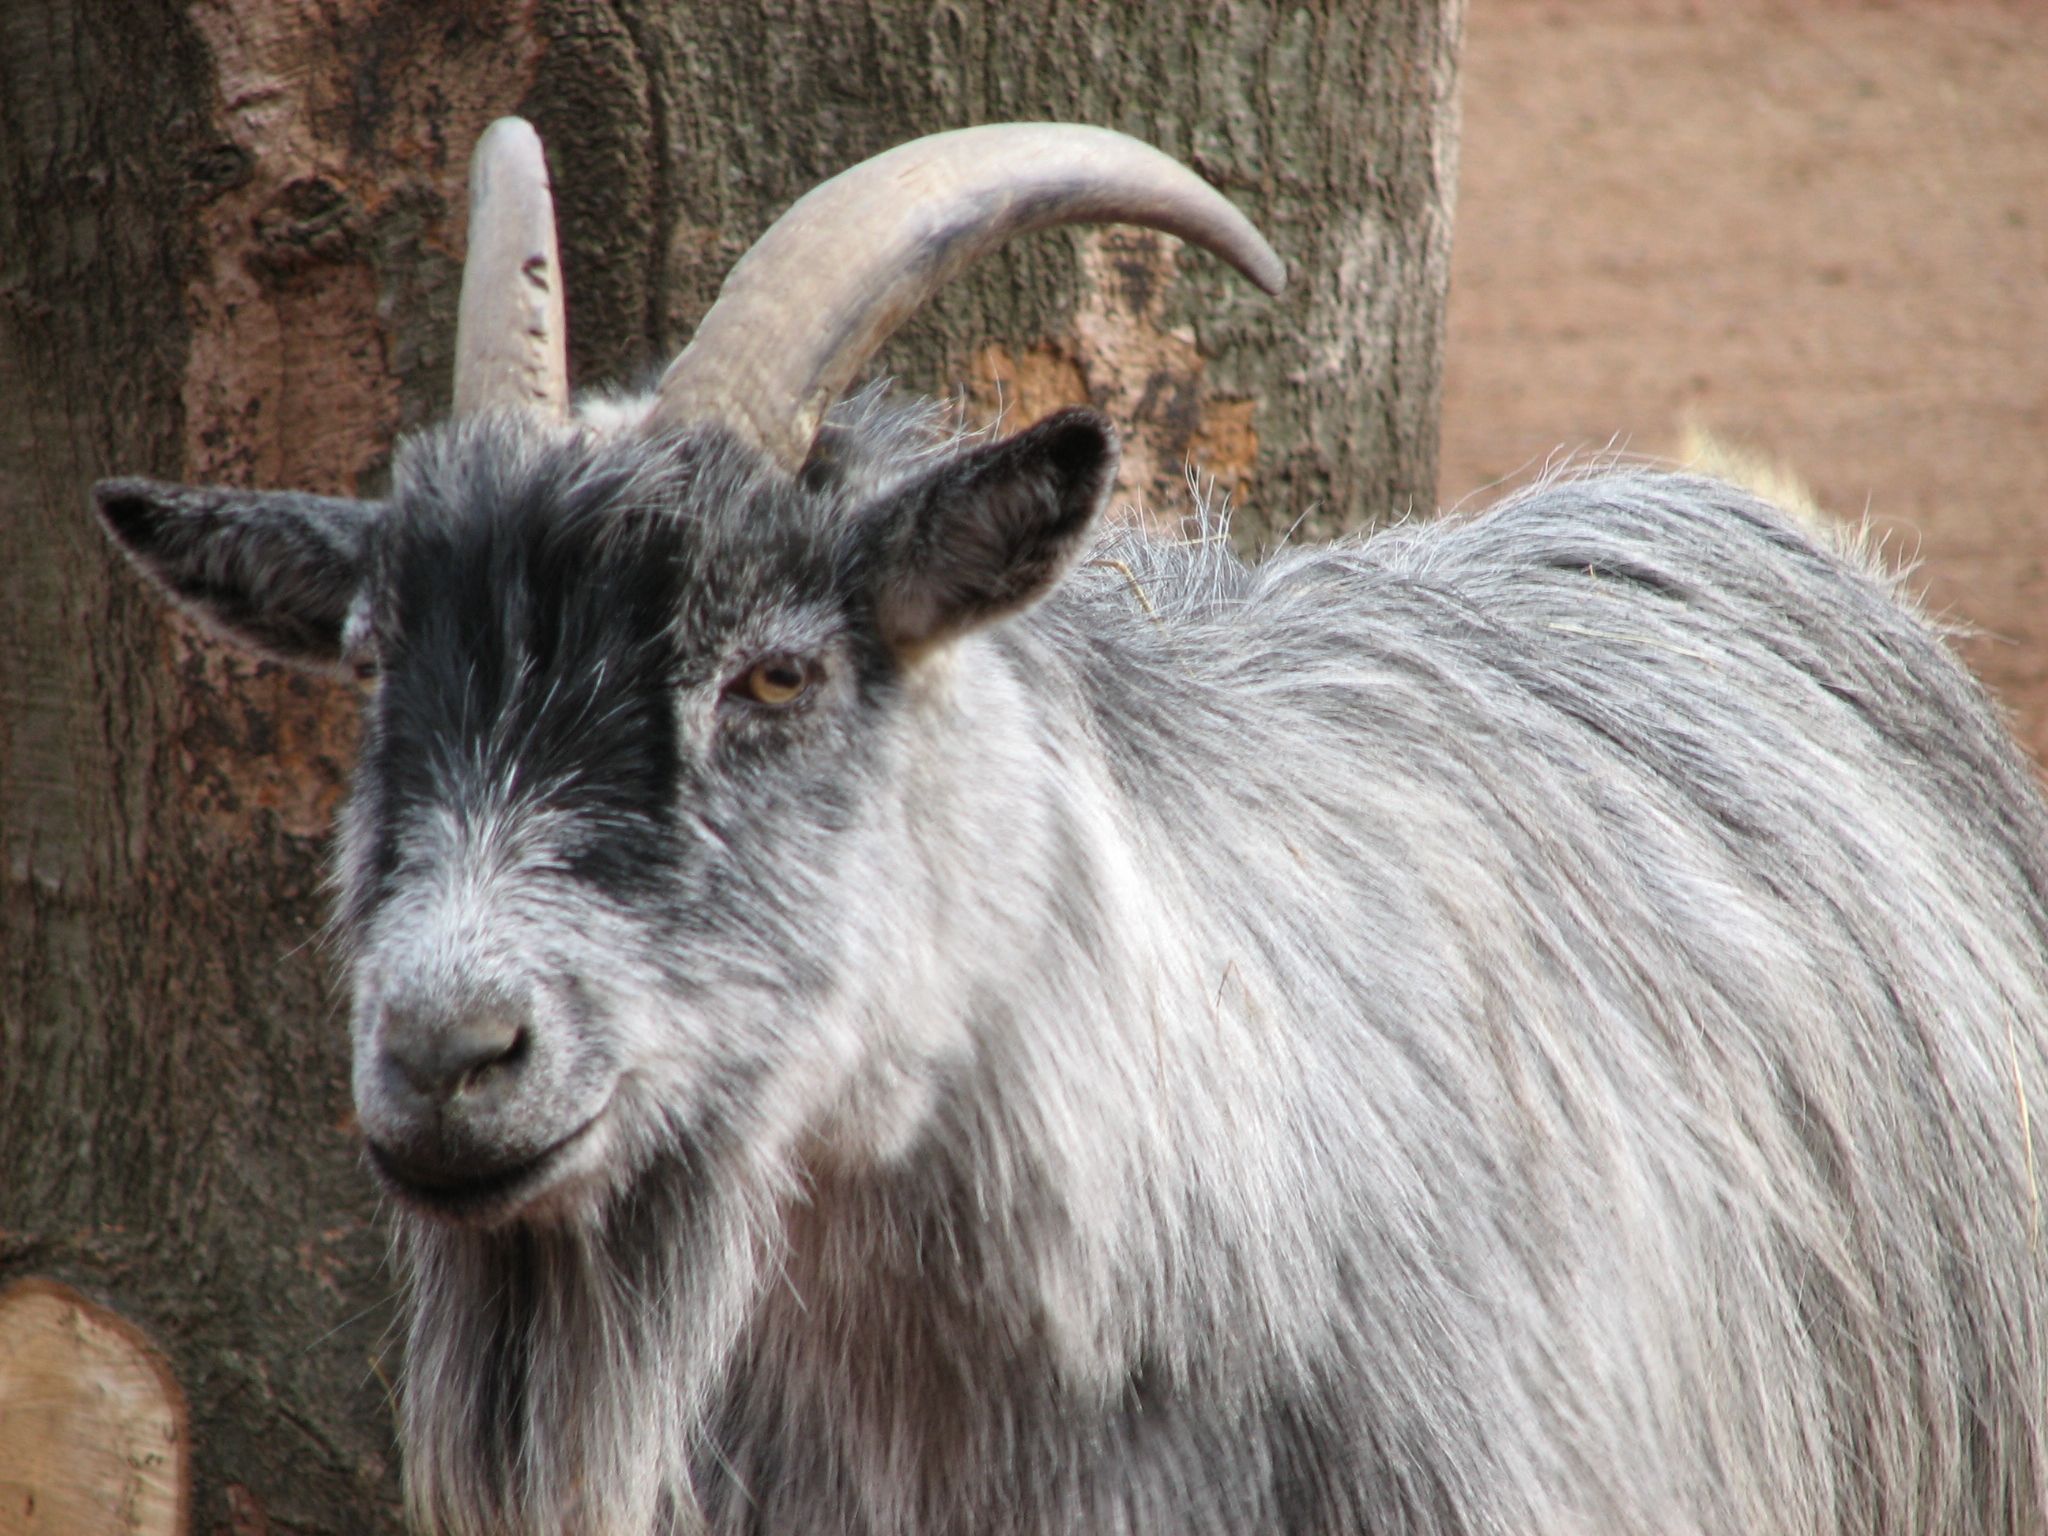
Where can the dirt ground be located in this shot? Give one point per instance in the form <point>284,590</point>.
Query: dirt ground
<point>1817,230</point>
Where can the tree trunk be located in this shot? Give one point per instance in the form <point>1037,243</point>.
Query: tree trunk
<point>230,235</point>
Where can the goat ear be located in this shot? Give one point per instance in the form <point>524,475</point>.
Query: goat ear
<point>989,533</point>
<point>277,571</point>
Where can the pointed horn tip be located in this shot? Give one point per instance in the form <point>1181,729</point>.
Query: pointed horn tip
<point>1236,239</point>
<point>507,130</point>
<point>1266,270</point>
<point>508,152</point>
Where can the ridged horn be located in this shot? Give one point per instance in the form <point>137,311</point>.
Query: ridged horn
<point>833,278</point>
<point>511,337</point>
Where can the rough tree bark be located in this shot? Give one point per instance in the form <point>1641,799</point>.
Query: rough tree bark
<point>230,234</point>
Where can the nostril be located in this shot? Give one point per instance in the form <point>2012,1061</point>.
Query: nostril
<point>506,1061</point>
<point>437,1056</point>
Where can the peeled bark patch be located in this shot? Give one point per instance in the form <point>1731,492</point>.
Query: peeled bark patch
<point>1125,356</point>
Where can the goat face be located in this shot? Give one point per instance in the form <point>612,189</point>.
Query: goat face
<point>640,675</point>
<point>627,812</point>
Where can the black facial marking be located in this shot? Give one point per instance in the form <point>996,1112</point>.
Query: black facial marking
<point>542,611</point>
<point>532,663</point>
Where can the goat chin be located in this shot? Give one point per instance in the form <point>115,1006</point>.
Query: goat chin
<point>567,1182</point>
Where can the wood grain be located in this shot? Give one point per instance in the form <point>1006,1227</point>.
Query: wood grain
<point>92,1425</point>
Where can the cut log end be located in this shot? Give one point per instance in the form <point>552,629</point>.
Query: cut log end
<point>92,1424</point>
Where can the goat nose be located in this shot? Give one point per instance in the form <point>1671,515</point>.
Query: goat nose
<point>438,1054</point>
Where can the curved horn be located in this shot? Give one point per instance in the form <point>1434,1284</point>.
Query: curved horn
<point>511,341</point>
<point>854,258</point>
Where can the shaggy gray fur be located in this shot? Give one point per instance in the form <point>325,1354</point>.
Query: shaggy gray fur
<point>1524,1023</point>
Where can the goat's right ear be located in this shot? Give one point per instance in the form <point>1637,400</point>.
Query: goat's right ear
<point>282,573</point>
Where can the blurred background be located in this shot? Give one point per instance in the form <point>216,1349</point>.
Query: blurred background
<point>1816,232</point>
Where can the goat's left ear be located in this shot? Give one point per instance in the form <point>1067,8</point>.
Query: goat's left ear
<point>280,572</point>
<point>987,534</point>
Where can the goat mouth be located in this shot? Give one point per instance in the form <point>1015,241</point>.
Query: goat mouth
<point>480,1199</point>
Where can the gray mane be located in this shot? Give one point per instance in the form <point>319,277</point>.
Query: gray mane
<point>1524,1022</point>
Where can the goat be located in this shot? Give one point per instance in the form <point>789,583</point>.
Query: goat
<point>884,1008</point>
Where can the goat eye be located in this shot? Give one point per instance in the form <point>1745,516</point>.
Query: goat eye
<point>777,681</point>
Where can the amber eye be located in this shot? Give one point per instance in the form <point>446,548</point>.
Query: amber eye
<point>777,681</point>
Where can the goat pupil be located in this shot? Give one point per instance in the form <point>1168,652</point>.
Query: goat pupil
<point>777,682</point>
